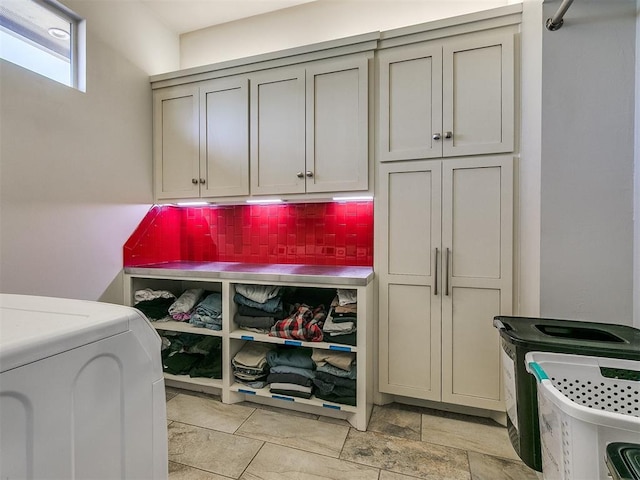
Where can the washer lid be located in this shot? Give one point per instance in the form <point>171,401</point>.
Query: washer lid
<point>33,328</point>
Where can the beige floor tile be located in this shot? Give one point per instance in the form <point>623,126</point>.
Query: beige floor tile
<point>334,421</point>
<point>291,431</point>
<point>409,457</point>
<point>467,435</point>
<point>212,451</point>
<point>207,413</point>
<point>169,393</point>
<point>485,467</point>
<point>286,411</point>
<point>281,463</point>
<point>386,475</point>
<point>395,422</point>
<point>184,472</point>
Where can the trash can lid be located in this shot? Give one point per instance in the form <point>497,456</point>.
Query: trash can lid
<point>623,460</point>
<point>571,336</point>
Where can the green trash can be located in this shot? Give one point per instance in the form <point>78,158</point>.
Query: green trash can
<point>520,335</point>
<point>623,460</point>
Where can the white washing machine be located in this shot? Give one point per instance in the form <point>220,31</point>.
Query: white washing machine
<point>81,391</point>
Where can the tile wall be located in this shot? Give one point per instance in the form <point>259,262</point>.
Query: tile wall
<point>331,233</point>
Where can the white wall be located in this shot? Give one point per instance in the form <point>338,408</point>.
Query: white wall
<point>528,197</point>
<point>636,209</point>
<point>315,22</point>
<point>75,167</point>
<point>588,86</point>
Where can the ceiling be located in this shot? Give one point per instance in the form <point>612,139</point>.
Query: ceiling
<point>183,16</point>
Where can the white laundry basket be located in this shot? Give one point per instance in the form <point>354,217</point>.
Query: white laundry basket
<point>584,403</point>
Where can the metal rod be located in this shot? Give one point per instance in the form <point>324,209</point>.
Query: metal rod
<point>446,292</point>
<point>555,22</point>
<point>435,290</point>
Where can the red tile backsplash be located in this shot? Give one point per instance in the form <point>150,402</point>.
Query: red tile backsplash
<point>312,234</point>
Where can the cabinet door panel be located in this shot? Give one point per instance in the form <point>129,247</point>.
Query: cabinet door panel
<point>477,212</point>
<point>410,103</point>
<point>337,126</point>
<point>412,340</point>
<point>410,219</point>
<point>410,305</point>
<point>474,357</point>
<point>478,94</point>
<point>476,217</point>
<point>176,142</point>
<point>278,131</point>
<point>225,134</point>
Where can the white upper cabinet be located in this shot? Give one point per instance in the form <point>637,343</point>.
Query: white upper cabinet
<point>176,137</point>
<point>449,97</point>
<point>278,131</point>
<point>224,141</point>
<point>201,145</point>
<point>337,108</point>
<point>309,128</point>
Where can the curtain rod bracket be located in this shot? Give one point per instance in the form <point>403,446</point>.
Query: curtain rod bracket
<point>555,22</point>
<point>553,26</point>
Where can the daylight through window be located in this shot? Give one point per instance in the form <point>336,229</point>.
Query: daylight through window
<point>45,37</point>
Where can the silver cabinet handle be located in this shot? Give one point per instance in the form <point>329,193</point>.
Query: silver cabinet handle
<point>436,136</point>
<point>446,292</point>
<point>435,288</point>
<point>194,181</point>
<point>448,135</point>
<point>309,173</point>
<point>300,175</point>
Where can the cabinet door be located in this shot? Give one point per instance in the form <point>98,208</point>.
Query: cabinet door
<point>410,102</point>
<point>337,126</point>
<point>478,94</point>
<point>278,131</point>
<point>409,287</point>
<point>224,146</point>
<point>176,155</point>
<point>477,237</point>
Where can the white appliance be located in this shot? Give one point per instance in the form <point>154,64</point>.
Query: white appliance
<point>81,391</point>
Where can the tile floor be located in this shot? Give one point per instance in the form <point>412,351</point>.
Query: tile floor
<point>209,440</point>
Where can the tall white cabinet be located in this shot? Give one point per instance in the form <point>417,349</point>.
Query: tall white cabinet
<point>444,211</point>
<point>447,271</point>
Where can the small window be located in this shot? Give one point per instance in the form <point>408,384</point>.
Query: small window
<point>45,37</point>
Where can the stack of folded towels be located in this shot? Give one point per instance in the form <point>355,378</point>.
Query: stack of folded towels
<point>259,307</point>
<point>341,323</point>
<point>335,376</point>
